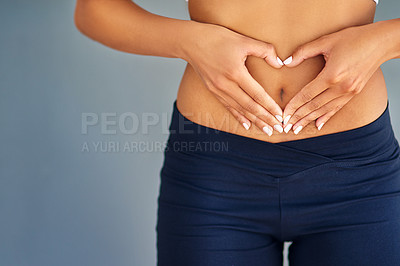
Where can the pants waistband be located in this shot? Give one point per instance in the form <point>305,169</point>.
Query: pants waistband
<point>360,143</point>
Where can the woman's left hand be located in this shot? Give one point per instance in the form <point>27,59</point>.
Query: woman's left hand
<point>352,56</point>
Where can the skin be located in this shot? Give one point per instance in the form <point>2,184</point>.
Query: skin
<point>344,75</point>
<point>233,77</point>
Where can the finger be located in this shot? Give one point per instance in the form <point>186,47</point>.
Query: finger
<point>306,94</point>
<point>307,50</point>
<point>313,105</point>
<point>266,51</point>
<point>239,117</point>
<point>266,128</point>
<point>261,124</point>
<point>254,90</point>
<point>324,118</point>
<point>326,111</point>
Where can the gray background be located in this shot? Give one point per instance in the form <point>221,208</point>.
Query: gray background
<point>60,205</point>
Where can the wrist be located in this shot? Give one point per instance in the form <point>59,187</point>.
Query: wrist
<point>388,35</point>
<point>188,39</point>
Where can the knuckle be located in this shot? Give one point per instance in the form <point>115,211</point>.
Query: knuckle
<point>296,117</point>
<point>258,97</point>
<point>209,84</point>
<point>338,107</point>
<point>243,42</point>
<point>233,73</point>
<point>299,51</point>
<point>351,90</point>
<point>313,105</point>
<point>219,98</point>
<point>213,89</point>
<point>250,106</point>
<point>227,106</point>
<point>260,124</point>
<point>232,111</point>
<point>305,96</point>
<point>219,82</point>
<point>241,109</point>
<point>313,116</point>
<point>333,78</point>
<point>256,120</point>
<point>224,102</point>
<point>269,48</point>
<point>356,90</point>
<point>266,119</point>
<point>348,85</point>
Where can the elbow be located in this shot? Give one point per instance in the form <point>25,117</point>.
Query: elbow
<point>81,11</point>
<point>78,16</point>
<point>77,21</point>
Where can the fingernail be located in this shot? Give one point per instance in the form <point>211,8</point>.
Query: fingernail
<point>279,61</point>
<point>246,126</point>
<point>288,127</point>
<point>297,130</point>
<point>267,130</point>
<point>286,119</point>
<point>279,118</point>
<point>288,60</point>
<point>278,128</point>
<point>320,126</point>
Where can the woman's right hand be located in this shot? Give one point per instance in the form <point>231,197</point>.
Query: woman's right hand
<point>218,55</point>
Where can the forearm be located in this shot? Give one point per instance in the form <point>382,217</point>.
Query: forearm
<point>124,26</point>
<point>388,34</point>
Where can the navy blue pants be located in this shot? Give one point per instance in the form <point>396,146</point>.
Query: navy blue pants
<point>229,200</point>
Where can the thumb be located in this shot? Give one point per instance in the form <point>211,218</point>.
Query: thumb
<point>305,51</point>
<point>266,51</point>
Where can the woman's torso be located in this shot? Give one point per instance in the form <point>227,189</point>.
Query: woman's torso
<point>285,24</point>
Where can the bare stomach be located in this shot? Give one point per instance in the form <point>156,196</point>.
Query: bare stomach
<point>285,24</point>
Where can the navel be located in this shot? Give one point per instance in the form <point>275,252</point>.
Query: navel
<point>281,94</point>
